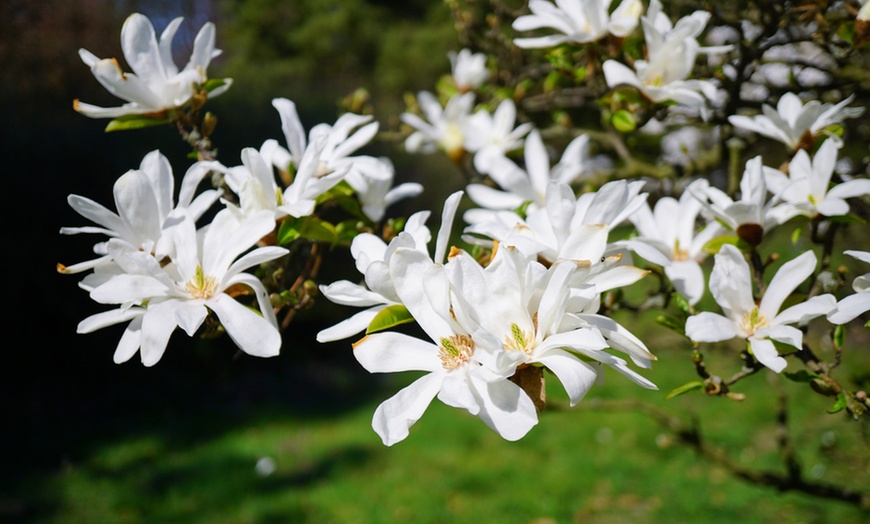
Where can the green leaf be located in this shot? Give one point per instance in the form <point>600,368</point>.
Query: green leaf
<point>800,376</point>
<point>388,317</point>
<point>681,302</point>
<point>714,245</point>
<point>289,230</point>
<point>848,219</point>
<point>313,228</point>
<point>685,388</point>
<point>623,121</point>
<point>213,83</point>
<point>338,190</point>
<point>796,235</point>
<point>672,323</point>
<point>839,336</point>
<point>839,405</point>
<point>128,122</point>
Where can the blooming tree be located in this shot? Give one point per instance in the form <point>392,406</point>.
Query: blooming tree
<point>564,215</point>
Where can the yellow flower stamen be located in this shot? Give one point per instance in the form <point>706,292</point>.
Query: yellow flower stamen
<point>201,285</point>
<point>753,321</point>
<point>455,351</point>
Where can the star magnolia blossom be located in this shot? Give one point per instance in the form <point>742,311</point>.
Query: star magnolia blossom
<point>752,215</point>
<point>468,69</point>
<point>527,186</point>
<point>490,134</point>
<point>373,185</point>
<point>805,189</point>
<point>444,129</point>
<point>156,84</point>
<point>760,324</point>
<point>156,299</point>
<point>144,202</point>
<point>254,182</point>
<point>850,307</point>
<point>578,21</point>
<point>672,52</point>
<point>668,238</point>
<point>794,123</point>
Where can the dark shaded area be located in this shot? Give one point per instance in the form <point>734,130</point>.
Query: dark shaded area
<point>62,396</point>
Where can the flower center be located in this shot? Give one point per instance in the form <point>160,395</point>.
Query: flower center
<point>201,285</point>
<point>455,351</point>
<point>519,340</point>
<point>453,139</point>
<point>753,321</point>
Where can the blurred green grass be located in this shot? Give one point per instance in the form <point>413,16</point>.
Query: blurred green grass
<point>194,460</point>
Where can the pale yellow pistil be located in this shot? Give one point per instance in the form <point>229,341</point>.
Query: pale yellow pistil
<point>201,285</point>
<point>455,351</point>
<point>680,255</point>
<point>753,321</point>
<point>519,340</point>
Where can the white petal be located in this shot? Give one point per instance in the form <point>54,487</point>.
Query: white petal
<point>394,417</point>
<point>710,327</point>
<point>849,308</point>
<point>392,352</point>
<point>253,334</point>
<point>766,353</point>
<point>575,375</point>
<point>788,277</point>
<point>505,408</point>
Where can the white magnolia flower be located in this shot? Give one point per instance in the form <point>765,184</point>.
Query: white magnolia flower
<point>372,256</point>
<point>794,123</point>
<point>255,183</point>
<point>157,298</point>
<point>529,186</point>
<point>467,367</point>
<point>444,128</point>
<point>469,69</point>
<point>672,50</point>
<point>752,215</point>
<point>144,201</point>
<point>156,84</point>
<point>565,227</point>
<point>490,134</point>
<point>850,307</point>
<point>805,189</point>
<point>578,21</point>
<point>864,12</point>
<point>762,323</point>
<point>349,133</point>
<point>373,184</point>
<point>524,304</point>
<point>669,237</point>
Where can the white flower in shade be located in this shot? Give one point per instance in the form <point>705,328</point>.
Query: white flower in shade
<point>156,84</point>
<point>255,184</point>
<point>525,186</point>
<point>672,50</point>
<point>469,69</point>
<point>578,21</point>
<point>668,236</point>
<point>864,12</point>
<point>144,201</point>
<point>489,134</point>
<point>850,307</point>
<point>373,184</point>
<point>762,323</point>
<point>805,189</point>
<point>443,127</point>
<point>752,215</point>
<point>372,256</point>
<point>794,123</point>
<point>157,299</point>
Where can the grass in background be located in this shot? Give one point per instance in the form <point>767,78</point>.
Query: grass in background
<point>195,460</point>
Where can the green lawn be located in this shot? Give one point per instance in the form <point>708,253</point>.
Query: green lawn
<point>172,447</point>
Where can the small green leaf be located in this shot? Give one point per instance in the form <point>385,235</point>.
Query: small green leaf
<point>388,317</point>
<point>796,235</point>
<point>839,405</point>
<point>342,189</point>
<point>839,336</point>
<point>213,83</point>
<point>714,245</point>
<point>289,230</point>
<point>681,302</point>
<point>318,230</point>
<point>848,219</point>
<point>623,121</point>
<point>672,323</point>
<point>685,388</point>
<point>128,122</point>
<point>800,376</point>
